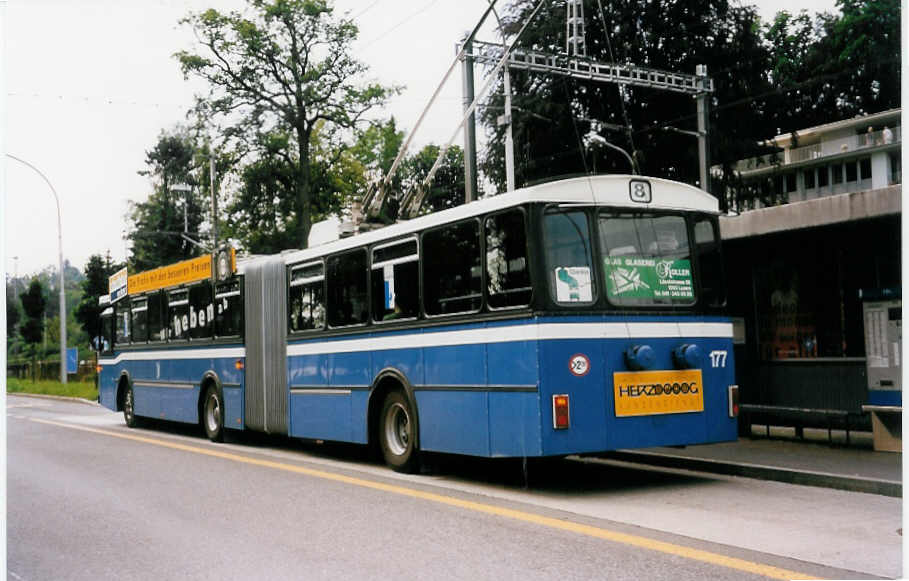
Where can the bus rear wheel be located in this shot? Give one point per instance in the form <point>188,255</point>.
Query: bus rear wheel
<point>213,415</point>
<point>397,434</point>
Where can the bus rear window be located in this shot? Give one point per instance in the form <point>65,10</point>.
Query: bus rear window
<point>646,259</point>
<point>569,265</point>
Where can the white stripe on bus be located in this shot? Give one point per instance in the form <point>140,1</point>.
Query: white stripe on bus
<point>506,334</point>
<point>517,333</point>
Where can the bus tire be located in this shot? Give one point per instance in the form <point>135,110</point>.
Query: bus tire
<point>129,408</point>
<point>397,433</point>
<point>213,414</point>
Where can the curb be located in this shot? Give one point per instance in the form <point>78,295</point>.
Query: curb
<point>56,397</point>
<point>761,472</point>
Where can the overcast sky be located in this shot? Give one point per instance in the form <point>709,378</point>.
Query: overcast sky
<point>89,85</point>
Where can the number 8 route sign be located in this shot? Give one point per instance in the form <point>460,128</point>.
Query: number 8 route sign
<point>579,365</point>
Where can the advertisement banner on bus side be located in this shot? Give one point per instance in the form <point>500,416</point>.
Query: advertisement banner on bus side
<point>171,275</point>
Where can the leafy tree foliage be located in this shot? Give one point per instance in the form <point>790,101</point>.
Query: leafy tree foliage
<point>833,67</point>
<point>156,223</point>
<point>551,114</point>
<point>95,285</point>
<point>278,73</point>
<point>13,314</point>
<point>34,302</point>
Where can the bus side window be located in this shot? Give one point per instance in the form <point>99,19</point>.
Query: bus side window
<point>347,289</point>
<point>395,284</point>
<point>178,315</point>
<point>451,269</point>
<point>201,311</point>
<point>710,261</point>
<point>122,321</point>
<point>139,320</point>
<point>157,327</point>
<point>228,309</point>
<point>306,297</point>
<point>106,341</point>
<point>507,277</point>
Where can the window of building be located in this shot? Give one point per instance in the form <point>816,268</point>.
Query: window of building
<point>566,238</point>
<point>123,326</point>
<point>201,311</point>
<point>157,321</point>
<point>347,289</point>
<point>837,171</point>
<point>865,168</point>
<point>452,270</point>
<point>790,182</point>
<point>896,174</point>
<point>178,315</point>
<point>851,171</point>
<point>139,320</point>
<point>395,281</point>
<point>823,177</point>
<point>228,309</point>
<point>809,179</point>
<point>307,297</point>
<point>507,276</point>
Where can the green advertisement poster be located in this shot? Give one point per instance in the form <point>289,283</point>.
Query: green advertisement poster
<point>630,277</point>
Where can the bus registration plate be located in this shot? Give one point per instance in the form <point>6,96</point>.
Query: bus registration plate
<point>644,393</point>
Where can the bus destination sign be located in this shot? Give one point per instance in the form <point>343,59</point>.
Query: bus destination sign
<point>171,275</point>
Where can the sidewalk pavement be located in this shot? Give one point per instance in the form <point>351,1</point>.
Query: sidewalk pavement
<point>812,461</point>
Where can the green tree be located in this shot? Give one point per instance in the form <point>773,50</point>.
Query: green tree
<point>284,68</point>
<point>95,285</point>
<point>13,314</point>
<point>551,113</point>
<point>34,302</point>
<point>447,187</point>
<point>156,224</point>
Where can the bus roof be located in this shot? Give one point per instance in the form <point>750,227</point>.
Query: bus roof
<point>603,190</point>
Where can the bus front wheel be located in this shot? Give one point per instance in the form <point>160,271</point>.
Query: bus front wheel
<point>397,433</point>
<point>129,408</point>
<point>213,415</point>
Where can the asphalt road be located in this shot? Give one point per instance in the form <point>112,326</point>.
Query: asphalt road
<point>88,498</point>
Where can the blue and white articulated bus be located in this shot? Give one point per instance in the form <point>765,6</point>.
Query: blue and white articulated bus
<point>572,317</point>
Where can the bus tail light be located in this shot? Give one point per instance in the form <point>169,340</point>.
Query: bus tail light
<point>239,364</point>
<point>733,401</point>
<point>560,417</point>
<point>98,368</point>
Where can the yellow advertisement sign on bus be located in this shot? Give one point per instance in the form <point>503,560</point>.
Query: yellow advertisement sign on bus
<point>171,275</point>
<point>645,393</point>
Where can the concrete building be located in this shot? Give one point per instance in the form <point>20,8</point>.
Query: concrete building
<point>817,222</point>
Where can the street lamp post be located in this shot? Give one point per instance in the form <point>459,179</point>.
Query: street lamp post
<point>60,247</point>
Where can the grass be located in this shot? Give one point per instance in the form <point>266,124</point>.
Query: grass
<point>83,389</point>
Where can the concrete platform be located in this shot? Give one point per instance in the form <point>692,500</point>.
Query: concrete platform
<point>812,461</point>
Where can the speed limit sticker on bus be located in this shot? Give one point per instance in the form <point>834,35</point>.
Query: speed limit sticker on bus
<point>579,365</point>
<point>645,393</point>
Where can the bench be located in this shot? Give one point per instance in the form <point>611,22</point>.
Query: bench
<point>799,417</point>
<point>886,427</point>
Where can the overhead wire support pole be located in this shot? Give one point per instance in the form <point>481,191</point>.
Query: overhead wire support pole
<point>432,172</point>
<point>60,247</point>
<point>373,194</point>
<point>703,104</point>
<point>470,131</point>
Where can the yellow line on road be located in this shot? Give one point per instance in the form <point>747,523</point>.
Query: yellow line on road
<point>528,517</point>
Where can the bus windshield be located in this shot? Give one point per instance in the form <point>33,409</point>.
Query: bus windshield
<point>646,259</point>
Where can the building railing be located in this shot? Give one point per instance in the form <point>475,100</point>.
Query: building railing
<point>822,149</point>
